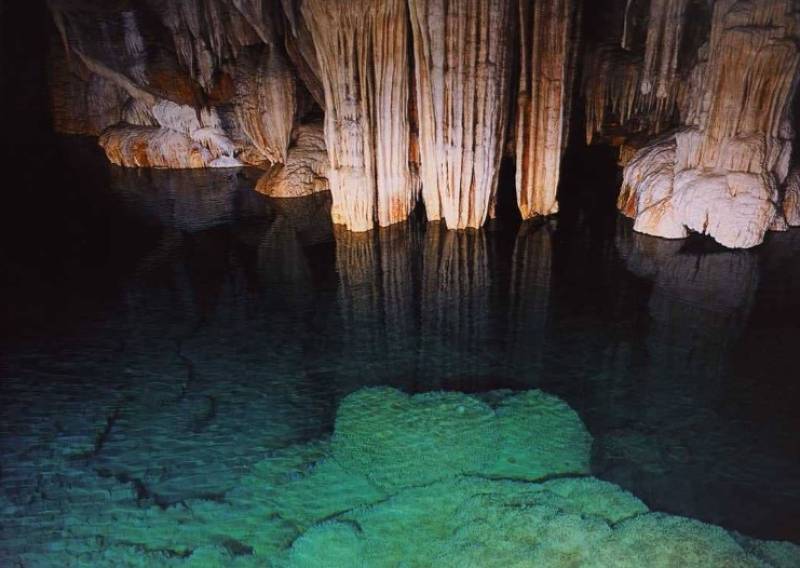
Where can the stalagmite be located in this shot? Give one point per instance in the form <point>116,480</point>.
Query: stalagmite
<point>543,101</point>
<point>720,175</point>
<point>362,54</point>
<point>461,66</point>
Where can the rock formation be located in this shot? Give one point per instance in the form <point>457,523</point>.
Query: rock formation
<point>548,45</point>
<point>416,101</point>
<point>720,172</point>
<point>363,60</point>
<point>305,169</point>
<point>462,70</point>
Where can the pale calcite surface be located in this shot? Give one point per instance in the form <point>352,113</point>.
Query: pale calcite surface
<point>721,174</point>
<point>305,170</point>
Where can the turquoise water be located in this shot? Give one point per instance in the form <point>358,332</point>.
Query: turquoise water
<point>186,329</point>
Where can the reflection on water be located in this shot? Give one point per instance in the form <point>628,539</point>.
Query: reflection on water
<point>238,323</point>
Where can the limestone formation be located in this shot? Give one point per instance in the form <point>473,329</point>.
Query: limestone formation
<point>791,199</point>
<point>415,98</point>
<point>461,67</point>
<point>720,175</point>
<point>266,101</point>
<point>548,45</point>
<point>362,53</point>
<point>305,170</point>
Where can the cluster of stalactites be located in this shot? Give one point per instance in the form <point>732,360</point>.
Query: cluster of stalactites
<point>720,173</point>
<point>639,89</point>
<point>658,81</point>
<point>226,54</point>
<point>416,94</point>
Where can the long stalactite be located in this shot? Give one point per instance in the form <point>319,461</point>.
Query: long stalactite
<point>462,69</point>
<point>363,59</point>
<point>547,68</point>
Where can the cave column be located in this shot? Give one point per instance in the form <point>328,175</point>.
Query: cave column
<point>461,65</point>
<point>547,69</point>
<point>361,48</point>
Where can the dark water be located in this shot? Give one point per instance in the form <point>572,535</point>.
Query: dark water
<point>167,329</point>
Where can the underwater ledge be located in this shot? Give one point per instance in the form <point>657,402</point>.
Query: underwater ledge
<point>500,478</point>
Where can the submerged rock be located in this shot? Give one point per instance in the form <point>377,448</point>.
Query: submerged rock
<point>421,480</point>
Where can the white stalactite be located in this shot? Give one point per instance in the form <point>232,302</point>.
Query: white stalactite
<point>461,64</point>
<point>543,101</point>
<point>362,55</point>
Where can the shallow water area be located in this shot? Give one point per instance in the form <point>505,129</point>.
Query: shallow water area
<point>188,330</point>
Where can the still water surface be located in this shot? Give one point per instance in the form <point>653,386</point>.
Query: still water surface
<point>200,325</point>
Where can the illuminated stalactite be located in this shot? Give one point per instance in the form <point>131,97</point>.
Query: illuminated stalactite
<point>610,83</point>
<point>362,55</point>
<point>658,88</point>
<point>461,65</point>
<point>547,68</point>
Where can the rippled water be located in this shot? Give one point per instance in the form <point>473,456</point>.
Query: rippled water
<point>196,326</point>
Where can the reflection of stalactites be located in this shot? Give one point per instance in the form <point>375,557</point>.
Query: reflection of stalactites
<point>283,266</point>
<point>309,216</point>
<point>699,304</point>
<point>376,293</point>
<point>529,293</point>
<point>455,297</point>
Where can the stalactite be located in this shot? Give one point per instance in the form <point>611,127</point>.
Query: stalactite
<point>300,49</point>
<point>266,101</point>
<point>362,54</point>
<point>610,83</point>
<point>461,65</point>
<point>543,101</point>
<point>659,71</point>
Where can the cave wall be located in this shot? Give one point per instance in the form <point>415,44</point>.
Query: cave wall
<point>419,100</point>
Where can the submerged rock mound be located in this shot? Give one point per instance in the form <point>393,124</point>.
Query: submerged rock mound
<point>435,479</point>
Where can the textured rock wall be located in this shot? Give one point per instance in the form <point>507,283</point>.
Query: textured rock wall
<point>416,101</point>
